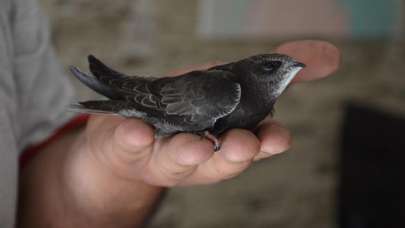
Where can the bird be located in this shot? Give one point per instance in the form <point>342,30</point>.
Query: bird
<point>208,102</point>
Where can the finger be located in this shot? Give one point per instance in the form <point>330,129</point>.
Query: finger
<point>321,58</point>
<point>238,149</point>
<point>122,145</point>
<point>100,129</point>
<point>274,139</point>
<point>131,139</point>
<point>176,158</point>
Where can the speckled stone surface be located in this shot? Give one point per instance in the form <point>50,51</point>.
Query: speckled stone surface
<point>295,189</point>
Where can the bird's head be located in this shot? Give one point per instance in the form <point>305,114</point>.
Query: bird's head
<point>275,69</point>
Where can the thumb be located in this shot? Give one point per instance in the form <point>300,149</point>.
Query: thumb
<point>322,58</point>
<point>123,145</point>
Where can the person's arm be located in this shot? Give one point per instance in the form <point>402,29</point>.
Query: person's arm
<point>111,173</point>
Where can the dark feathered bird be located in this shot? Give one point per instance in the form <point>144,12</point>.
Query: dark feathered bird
<point>206,102</point>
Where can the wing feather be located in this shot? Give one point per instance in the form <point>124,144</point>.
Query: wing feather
<point>194,100</point>
<point>209,95</point>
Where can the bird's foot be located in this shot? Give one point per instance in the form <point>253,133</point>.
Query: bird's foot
<point>213,139</point>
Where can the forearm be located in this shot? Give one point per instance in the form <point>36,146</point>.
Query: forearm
<point>64,187</point>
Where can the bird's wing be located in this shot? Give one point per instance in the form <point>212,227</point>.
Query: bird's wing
<point>199,95</point>
<point>196,97</point>
<point>95,84</point>
<point>101,71</point>
<point>108,82</point>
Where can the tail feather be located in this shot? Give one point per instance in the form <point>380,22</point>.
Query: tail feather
<point>108,107</point>
<point>102,71</point>
<point>77,107</point>
<point>94,84</point>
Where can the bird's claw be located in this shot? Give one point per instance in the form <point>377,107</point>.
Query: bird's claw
<point>217,147</point>
<point>213,139</point>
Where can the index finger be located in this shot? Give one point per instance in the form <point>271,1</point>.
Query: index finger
<point>321,58</point>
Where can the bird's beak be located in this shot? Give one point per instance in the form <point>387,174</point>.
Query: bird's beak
<point>300,65</point>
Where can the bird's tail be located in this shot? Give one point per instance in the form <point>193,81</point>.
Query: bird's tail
<point>95,84</point>
<point>106,107</point>
<point>101,71</point>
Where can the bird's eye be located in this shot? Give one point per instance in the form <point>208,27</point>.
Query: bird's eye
<point>272,66</point>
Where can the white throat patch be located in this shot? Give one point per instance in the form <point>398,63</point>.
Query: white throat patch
<point>283,85</point>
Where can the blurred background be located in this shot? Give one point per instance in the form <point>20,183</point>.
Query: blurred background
<point>344,168</point>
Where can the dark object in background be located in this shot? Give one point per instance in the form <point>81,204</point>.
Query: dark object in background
<point>206,102</point>
<point>372,183</point>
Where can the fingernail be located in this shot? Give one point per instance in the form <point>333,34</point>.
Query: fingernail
<point>261,155</point>
<point>264,155</point>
